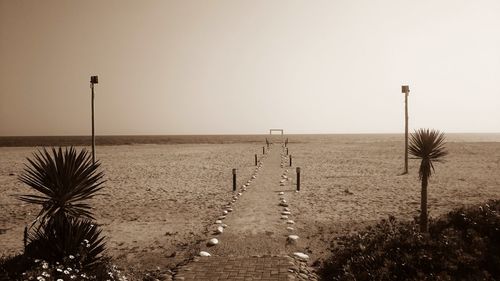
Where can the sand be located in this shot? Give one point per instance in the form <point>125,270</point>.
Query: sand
<point>160,201</point>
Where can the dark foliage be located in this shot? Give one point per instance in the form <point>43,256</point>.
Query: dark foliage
<point>79,239</point>
<point>12,267</point>
<point>463,245</point>
<point>65,179</point>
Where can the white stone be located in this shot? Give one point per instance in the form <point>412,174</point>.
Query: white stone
<point>293,237</point>
<point>213,242</point>
<point>283,204</point>
<point>290,222</point>
<point>289,228</point>
<point>283,201</point>
<point>284,217</point>
<point>239,193</point>
<point>281,193</point>
<point>218,221</point>
<point>282,181</point>
<point>204,254</point>
<point>286,213</point>
<point>286,209</point>
<point>229,209</point>
<point>282,184</point>
<point>301,256</point>
<point>222,217</point>
<point>224,212</point>
<point>224,225</point>
<point>253,177</point>
<point>219,230</point>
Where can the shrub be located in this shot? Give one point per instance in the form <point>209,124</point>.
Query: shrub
<point>463,245</point>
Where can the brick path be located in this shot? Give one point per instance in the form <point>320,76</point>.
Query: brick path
<point>237,268</point>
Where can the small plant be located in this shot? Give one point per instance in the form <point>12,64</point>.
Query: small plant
<point>428,146</point>
<point>65,238</point>
<point>79,239</point>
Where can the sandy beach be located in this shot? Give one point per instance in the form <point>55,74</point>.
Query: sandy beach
<point>160,201</point>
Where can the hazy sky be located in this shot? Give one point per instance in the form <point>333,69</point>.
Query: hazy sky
<point>229,66</point>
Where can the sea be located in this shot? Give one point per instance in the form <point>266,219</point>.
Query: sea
<point>35,141</point>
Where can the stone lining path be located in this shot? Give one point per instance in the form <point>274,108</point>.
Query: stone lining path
<point>252,232</point>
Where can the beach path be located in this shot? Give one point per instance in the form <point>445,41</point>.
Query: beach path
<point>255,245</point>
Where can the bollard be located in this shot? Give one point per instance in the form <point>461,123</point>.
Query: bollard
<point>298,178</point>
<point>255,159</point>
<point>234,179</point>
<point>290,160</point>
<point>263,150</point>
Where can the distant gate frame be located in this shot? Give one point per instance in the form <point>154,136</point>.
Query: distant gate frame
<point>275,130</point>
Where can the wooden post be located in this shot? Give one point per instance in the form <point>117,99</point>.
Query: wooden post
<point>298,178</point>
<point>234,179</point>
<point>263,150</point>
<point>406,89</point>
<point>287,151</point>
<point>255,159</point>
<point>290,160</point>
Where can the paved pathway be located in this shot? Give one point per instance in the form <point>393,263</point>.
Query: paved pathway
<point>254,244</point>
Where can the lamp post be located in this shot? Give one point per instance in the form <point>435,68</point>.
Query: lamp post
<point>93,80</point>
<point>406,90</point>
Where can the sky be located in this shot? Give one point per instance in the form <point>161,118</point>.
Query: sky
<point>244,66</point>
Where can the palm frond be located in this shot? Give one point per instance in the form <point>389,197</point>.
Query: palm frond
<point>428,146</point>
<point>65,180</point>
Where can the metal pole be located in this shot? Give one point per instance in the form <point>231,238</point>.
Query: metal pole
<point>263,150</point>
<point>93,127</point>
<point>290,160</point>
<point>406,133</point>
<point>255,159</point>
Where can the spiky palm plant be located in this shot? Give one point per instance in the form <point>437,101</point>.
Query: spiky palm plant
<point>66,180</point>
<point>428,146</point>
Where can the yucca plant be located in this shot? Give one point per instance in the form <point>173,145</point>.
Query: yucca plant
<point>428,146</point>
<point>66,179</point>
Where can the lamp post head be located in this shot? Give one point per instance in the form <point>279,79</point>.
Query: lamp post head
<point>405,89</point>
<point>94,79</point>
